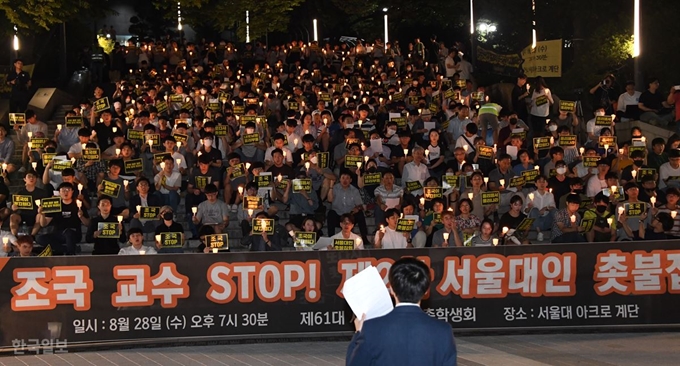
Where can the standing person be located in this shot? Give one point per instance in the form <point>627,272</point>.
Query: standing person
<point>519,94</point>
<point>399,338</point>
<point>20,82</point>
<point>541,100</point>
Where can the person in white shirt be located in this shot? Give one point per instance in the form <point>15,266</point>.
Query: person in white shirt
<point>381,154</point>
<point>415,171</point>
<point>594,130</point>
<point>388,237</point>
<point>347,224</point>
<point>465,69</point>
<point>630,97</point>
<point>541,100</point>
<point>450,63</point>
<point>136,247</point>
<point>598,182</point>
<point>279,140</point>
<point>468,138</point>
<point>541,206</point>
<point>168,183</point>
<point>669,172</point>
<point>8,240</point>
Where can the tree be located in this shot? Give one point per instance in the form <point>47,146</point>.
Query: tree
<point>265,16</point>
<point>36,15</point>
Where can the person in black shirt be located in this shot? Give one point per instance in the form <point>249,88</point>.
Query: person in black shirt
<point>519,93</point>
<point>200,177</point>
<point>107,244</point>
<point>168,225</point>
<point>20,82</point>
<point>653,106</point>
<point>208,150</point>
<point>25,214</point>
<point>66,233</point>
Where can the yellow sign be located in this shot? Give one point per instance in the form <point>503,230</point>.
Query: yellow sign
<point>544,60</point>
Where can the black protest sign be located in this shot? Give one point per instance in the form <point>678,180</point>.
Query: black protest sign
<point>108,230</point>
<point>542,143</point>
<point>101,105</point>
<point>567,141</point>
<point>304,239</point>
<point>302,185</point>
<point>251,138</point>
<point>149,213</point>
<point>567,106</point>
<point>605,121</point>
<point>590,161</point>
<point>91,154</point>
<point>133,166</point>
<point>252,202</point>
<point>263,226</point>
<point>219,241</point>
<point>635,209</point>
<point>609,141</point>
<point>371,179</point>
<point>414,186</point>
<point>23,202</point>
<point>353,161</point>
<point>135,135</point>
<point>73,121</point>
<point>263,180</point>
<point>17,119</point>
<point>431,193</point>
<point>51,205</point>
<point>485,152</point>
<point>343,244</point>
<point>491,198</point>
<point>172,240</point>
<point>111,189</point>
<point>405,225</point>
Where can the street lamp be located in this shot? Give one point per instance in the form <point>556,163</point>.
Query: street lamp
<point>247,26</point>
<point>386,33</point>
<point>472,32</point>
<point>316,33</point>
<point>637,46</point>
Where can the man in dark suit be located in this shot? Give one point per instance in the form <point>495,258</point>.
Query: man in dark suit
<point>405,336</point>
<point>144,199</point>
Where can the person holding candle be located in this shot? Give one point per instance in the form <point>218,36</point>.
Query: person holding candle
<point>566,224</point>
<point>168,225</point>
<point>632,192</point>
<point>448,235</point>
<point>104,131</point>
<point>559,183</point>
<point>143,199</point>
<point>416,171</point>
<point>655,230</point>
<point>594,131</point>
<point>541,207</point>
<point>598,182</point>
<point>347,224</point>
<point>505,173</point>
<point>604,221</point>
<point>76,150</point>
<point>212,212</point>
<point>346,199</point>
<point>511,220</point>
<point>235,177</point>
<point>672,197</point>
<point>136,247</point>
<point>303,206</point>
<point>6,151</point>
<point>93,235</point>
<point>466,222</point>
<point>90,171</point>
<point>289,156</point>
<point>168,183</point>
<point>485,238</point>
<point>264,242</point>
<point>650,193</point>
<point>113,177</point>
<point>26,215</point>
<point>9,243</point>
<point>28,130</point>
<point>402,152</point>
<point>479,210</point>
<point>66,233</point>
<point>387,237</point>
<point>180,165</point>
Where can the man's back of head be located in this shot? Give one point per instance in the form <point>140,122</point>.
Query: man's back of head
<point>409,279</point>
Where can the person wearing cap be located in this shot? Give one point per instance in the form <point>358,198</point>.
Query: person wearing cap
<point>136,247</point>
<point>602,230</point>
<point>598,182</point>
<point>66,224</point>
<point>567,223</point>
<point>632,222</point>
<point>669,173</point>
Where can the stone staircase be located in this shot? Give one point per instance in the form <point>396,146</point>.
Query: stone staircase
<point>234,229</point>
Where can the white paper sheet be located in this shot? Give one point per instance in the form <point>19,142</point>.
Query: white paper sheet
<point>430,125</point>
<point>377,146</point>
<point>391,202</point>
<point>512,151</point>
<point>366,293</point>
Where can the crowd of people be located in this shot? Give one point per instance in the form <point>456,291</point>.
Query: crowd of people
<point>334,134</point>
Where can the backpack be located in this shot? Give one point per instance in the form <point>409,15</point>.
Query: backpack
<point>601,222</point>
